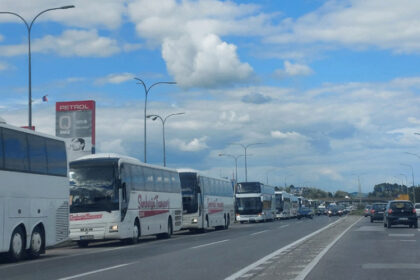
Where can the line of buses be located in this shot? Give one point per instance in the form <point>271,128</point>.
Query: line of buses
<point>112,197</point>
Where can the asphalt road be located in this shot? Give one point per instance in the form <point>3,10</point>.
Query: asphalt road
<point>212,255</point>
<point>370,251</point>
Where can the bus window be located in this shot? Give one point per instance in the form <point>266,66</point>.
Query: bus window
<point>167,181</point>
<point>149,179</point>
<point>138,177</point>
<point>56,158</point>
<point>37,154</point>
<point>158,180</point>
<point>15,150</point>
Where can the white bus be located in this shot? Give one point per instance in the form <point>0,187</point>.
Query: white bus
<point>207,202</point>
<point>283,205</point>
<point>255,202</point>
<point>34,192</point>
<point>118,197</point>
<point>295,206</point>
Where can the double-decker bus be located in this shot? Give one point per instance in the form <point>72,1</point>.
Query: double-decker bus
<point>207,202</point>
<point>118,197</point>
<point>283,204</point>
<point>34,192</point>
<point>255,202</point>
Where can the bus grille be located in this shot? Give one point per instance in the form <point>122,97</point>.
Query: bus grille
<point>62,222</point>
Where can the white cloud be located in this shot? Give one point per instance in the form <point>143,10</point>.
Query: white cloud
<point>112,146</point>
<point>194,52</point>
<point>195,145</point>
<point>70,43</point>
<point>286,135</point>
<point>291,70</point>
<point>117,78</point>
<point>4,66</point>
<point>357,24</point>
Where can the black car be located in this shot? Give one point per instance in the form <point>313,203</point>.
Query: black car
<point>377,212</point>
<point>334,211</point>
<point>400,212</point>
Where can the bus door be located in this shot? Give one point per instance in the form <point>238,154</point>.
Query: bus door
<point>123,192</point>
<point>200,201</point>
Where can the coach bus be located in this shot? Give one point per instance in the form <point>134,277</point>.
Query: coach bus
<point>283,204</point>
<point>34,192</point>
<point>255,202</point>
<point>207,202</point>
<point>118,197</point>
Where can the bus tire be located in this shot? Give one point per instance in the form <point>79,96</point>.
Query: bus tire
<point>169,232</point>
<point>227,221</point>
<point>17,245</point>
<point>83,243</point>
<point>136,234</point>
<point>37,243</point>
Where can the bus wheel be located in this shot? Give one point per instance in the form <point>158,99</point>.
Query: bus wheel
<point>82,244</point>
<point>136,234</point>
<point>17,245</point>
<point>37,243</point>
<point>168,233</point>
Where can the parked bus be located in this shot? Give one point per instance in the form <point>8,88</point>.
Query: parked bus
<point>295,206</point>
<point>255,202</point>
<point>118,197</point>
<point>283,204</point>
<point>34,192</point>
<point>207,202</point>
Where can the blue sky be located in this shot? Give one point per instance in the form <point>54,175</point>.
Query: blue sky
<point>330,87</point>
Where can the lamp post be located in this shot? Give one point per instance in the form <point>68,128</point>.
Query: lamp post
<point>245,148</point>
<point>29,28</point>
<point>163,120</point>
<point>412,175</point>
<point>146,92</point>
<point>236,163</point>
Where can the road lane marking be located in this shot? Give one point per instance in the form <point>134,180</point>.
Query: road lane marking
<point>283,226</point>
<point>209,244</point>
<point>302,275</point>
<point>250,267</point>
<point>391,266</point>
<point>258,232</point>
<point>401,235</point>
<point>408,240</point>
<point>94,271</point>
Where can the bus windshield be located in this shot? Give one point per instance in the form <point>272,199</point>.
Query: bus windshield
<point>93,188</point>
<point>248,205</point>
<point>248,188</point>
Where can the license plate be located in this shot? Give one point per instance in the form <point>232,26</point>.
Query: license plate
<point>86,237</point>
<point>403,219</point>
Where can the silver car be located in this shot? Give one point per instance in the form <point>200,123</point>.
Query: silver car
<point>417,206</point>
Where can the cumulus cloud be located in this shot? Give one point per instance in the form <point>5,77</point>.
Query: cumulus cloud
<point>291,70</point>
<point>69,43</point>
<point>256,98</point>
<point>116,78</point>
<point>4,66</point>
<point>194,52</point>
<point>286,135</point>
<point>112,146</point>
<point>195,145</point>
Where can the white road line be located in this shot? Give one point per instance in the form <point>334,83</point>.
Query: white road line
<point>94,271</point>
<point>408,240</point>
<point>283,226</point>
<point>250,267</point>
<point>208,244</point>
<point>391,266</point>
<point>316,260</point>
<point>258,232</point>
<point>401,235</point>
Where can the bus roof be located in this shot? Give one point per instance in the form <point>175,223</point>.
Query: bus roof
<point>26,130</point>
<point>124,158</point>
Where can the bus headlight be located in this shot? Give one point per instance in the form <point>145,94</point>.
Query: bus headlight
<point>113,228</point>
<point>194,220</point>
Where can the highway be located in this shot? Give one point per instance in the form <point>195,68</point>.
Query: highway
<point>211,255</point>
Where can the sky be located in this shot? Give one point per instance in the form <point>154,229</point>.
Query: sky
<point>331,89</point>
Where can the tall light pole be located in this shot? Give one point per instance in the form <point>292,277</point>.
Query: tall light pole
<point>245,148</point>
<point>146,93</point>
<point>412,175</point>
<point>154,117</point>
<point>236,163</point>
<point>29,28</point>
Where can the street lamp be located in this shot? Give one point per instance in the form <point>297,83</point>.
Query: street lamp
<point>146,92</point>
<point>412,175</point>
<point>154,117</point>
<point>245,148</point>
<point>29,28</point>
<point>236,163</point>
<point>413,154</point>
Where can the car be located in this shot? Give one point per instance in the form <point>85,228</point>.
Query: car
<point>377,212</point>
<point>334,211</point>
<point>367,210</point>
<point>417,206</point>
<point>305,212</point>
<point>400,212</point>
<point>322,210</point>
